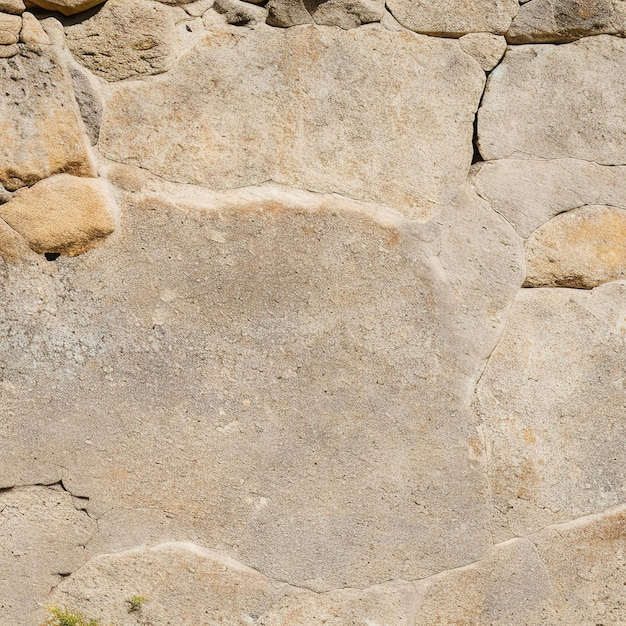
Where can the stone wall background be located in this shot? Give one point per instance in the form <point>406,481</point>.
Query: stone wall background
<point>313,312</point>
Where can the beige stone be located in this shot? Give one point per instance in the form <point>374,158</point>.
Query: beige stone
<point>62,214</point>
<point>566,20</point>
<point>304,107</point>
<point>550,403</point>
<point>240,13</point>
<point>486,48</point>
<point>581,249</point>
<point>529,192</point>
<point>126,38</point>
<point>10,26</point>
<point>454,18</point>
<point>9,51</point>
<point>348,13</point>
<point>42,539</point>
<point>67,7</point>
<point>39,121</point>
<point>281,376</point>
<point>12,6</point>
<point>32,32</point>
<point>557,101</point>
<point>286,13</point>
<point>13,247</point>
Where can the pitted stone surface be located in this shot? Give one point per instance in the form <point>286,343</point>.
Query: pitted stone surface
<point>304,107</point>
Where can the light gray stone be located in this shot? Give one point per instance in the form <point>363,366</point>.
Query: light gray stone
<point>529,192</point>
<point>454,18</point>
<point>551,406</point>
<point>547,101</point>
<point>240,13</point>
<point>486,48</point>
<point>304,107</point>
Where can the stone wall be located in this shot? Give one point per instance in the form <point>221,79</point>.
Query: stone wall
<point>313,312</point>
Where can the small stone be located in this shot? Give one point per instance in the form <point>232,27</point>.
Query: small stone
<point>580,249</point>
<point>63,214</point>
<point>10,26</point>
<point>486,48</point>
<point>286,13</point>
<point>240,13</point>
<point>12,6</point>
<point>32,32</point>
<point>67,7</point>
<point>6,52</point>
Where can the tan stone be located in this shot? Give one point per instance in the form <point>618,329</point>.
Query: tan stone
<point>348,13</point>
<point>12,6</point>
<point>281,376</point>
<point>486,48</point>
<point>562,101</point>
<point>454,18</point>
<point>9,51</point>
<point>304,107</point>
<point>240,13</point>
<point>42,539</point>
<point>126,38</point>
<point>32,32</point>
<point>62,214</point>
<point>13,247</point>
<point>286,13</point>
<point>566,20</point>
<point>529,192</point>
<point>67,7</point>
<point>10,26</point>
<point>581,249</point>
<point>39,121</point>
<point>551,406</point>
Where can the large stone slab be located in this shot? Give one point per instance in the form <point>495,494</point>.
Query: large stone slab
<point>42,539</point>
<point>42,133</point>
<point>306,107</point>
<point>551,404</point>
<point>557,101</point>
<point>454,18</point>
<point>283,377</point>
<point>545,21</point>
<point>581,249</point>
<point>529,192</point>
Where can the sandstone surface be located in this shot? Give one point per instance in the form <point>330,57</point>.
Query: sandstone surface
<point>550,402</point>
<point>554,102</point>
<point>486,48</point>
<point>125,38</point>
<point>529,192</point>
<point>39,121</point>
<point>544,21</point>
<point>454,18</point>
<point>67,7</point>
<point>581,249</point>
<point>252,114</point>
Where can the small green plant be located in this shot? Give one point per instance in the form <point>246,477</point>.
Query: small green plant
<point>134,603</point>
<point>67,617</point>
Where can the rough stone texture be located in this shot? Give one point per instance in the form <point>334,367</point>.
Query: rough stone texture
<point>67,7</point>
<point>566,20</point>
<point>257,437</point>
<point>240,13</point>
<point>303,107</point>
<point>126,38</point>
<point>63,214</point>
<point>39,121</point>
<point>454,18</point>
<point>557,101</point>
<point>348,13</point>
<point>551,405</point>
<point>486,48</point>
<point>581,249</point>
<point>286,13</point>
<point>528,192</point>
<point>42,538</point>
<point>32,32</point>
<point>12,6</point>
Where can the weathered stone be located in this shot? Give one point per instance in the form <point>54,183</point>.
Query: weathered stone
<point>42,539</point>
<point>198,8</point>
<point>286,13</point>
<point>62,214</point>
<point>32,32</point>
<point>13,247</point>
<point>454,18</point>
<point>348,13</point>
<point>8,51</point>
<point>547,21</point>
<point>10,26</point>
<point>252,114</point>
<point>551,405</point>
<point>275,364</point>
<point>12,6</point>
<point>39,121</point>
<point>486,48</point>
<point>126,38</point>
<point>67,7</point>
<point>557,101</point>
<point>240,13</point>
<point>581,249</point>
<point>89,100</point>
<point>530,192</point>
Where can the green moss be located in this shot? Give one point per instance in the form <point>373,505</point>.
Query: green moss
<point>66,617</point>
<point>134,603</point>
